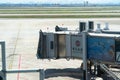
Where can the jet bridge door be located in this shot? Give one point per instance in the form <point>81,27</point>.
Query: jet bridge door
<point>61,46</point>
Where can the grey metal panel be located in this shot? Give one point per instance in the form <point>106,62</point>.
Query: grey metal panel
<point>68,46</point>
<point>50,45</point>
<point>55,45</point>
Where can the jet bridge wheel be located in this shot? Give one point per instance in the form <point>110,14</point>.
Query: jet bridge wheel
<point>100,72</point>
<point>89,65</point>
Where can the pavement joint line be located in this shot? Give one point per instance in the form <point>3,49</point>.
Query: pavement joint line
<point>11,62</point>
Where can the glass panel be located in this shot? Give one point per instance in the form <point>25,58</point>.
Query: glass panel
<point>117,49</point>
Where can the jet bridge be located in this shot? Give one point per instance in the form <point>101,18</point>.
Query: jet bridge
<point>59,45</point>
<point>62,43</point>
<point>100,46</point>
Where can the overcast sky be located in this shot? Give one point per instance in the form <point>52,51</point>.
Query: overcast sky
<point>59,1</point>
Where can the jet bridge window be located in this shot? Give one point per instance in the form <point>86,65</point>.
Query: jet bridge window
<point>117,49</point>
<point>51,45</point>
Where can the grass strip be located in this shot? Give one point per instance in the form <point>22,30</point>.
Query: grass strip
<point>63,16</point>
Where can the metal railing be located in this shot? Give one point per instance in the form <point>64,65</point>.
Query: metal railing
<point>112,74</point>
<point>4,71</point>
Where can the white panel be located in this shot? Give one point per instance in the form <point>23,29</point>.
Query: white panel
<point>77,47</point>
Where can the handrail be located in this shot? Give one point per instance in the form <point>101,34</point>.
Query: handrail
<point>3,72</point>
<point>106,69</point>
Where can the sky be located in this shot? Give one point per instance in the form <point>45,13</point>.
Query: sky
<point>59,1</point>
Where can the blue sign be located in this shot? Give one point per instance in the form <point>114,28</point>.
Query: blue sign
<point>101,48</point>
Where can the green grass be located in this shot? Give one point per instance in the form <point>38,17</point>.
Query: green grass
<point>64,16</point>
<point>104,12</point>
